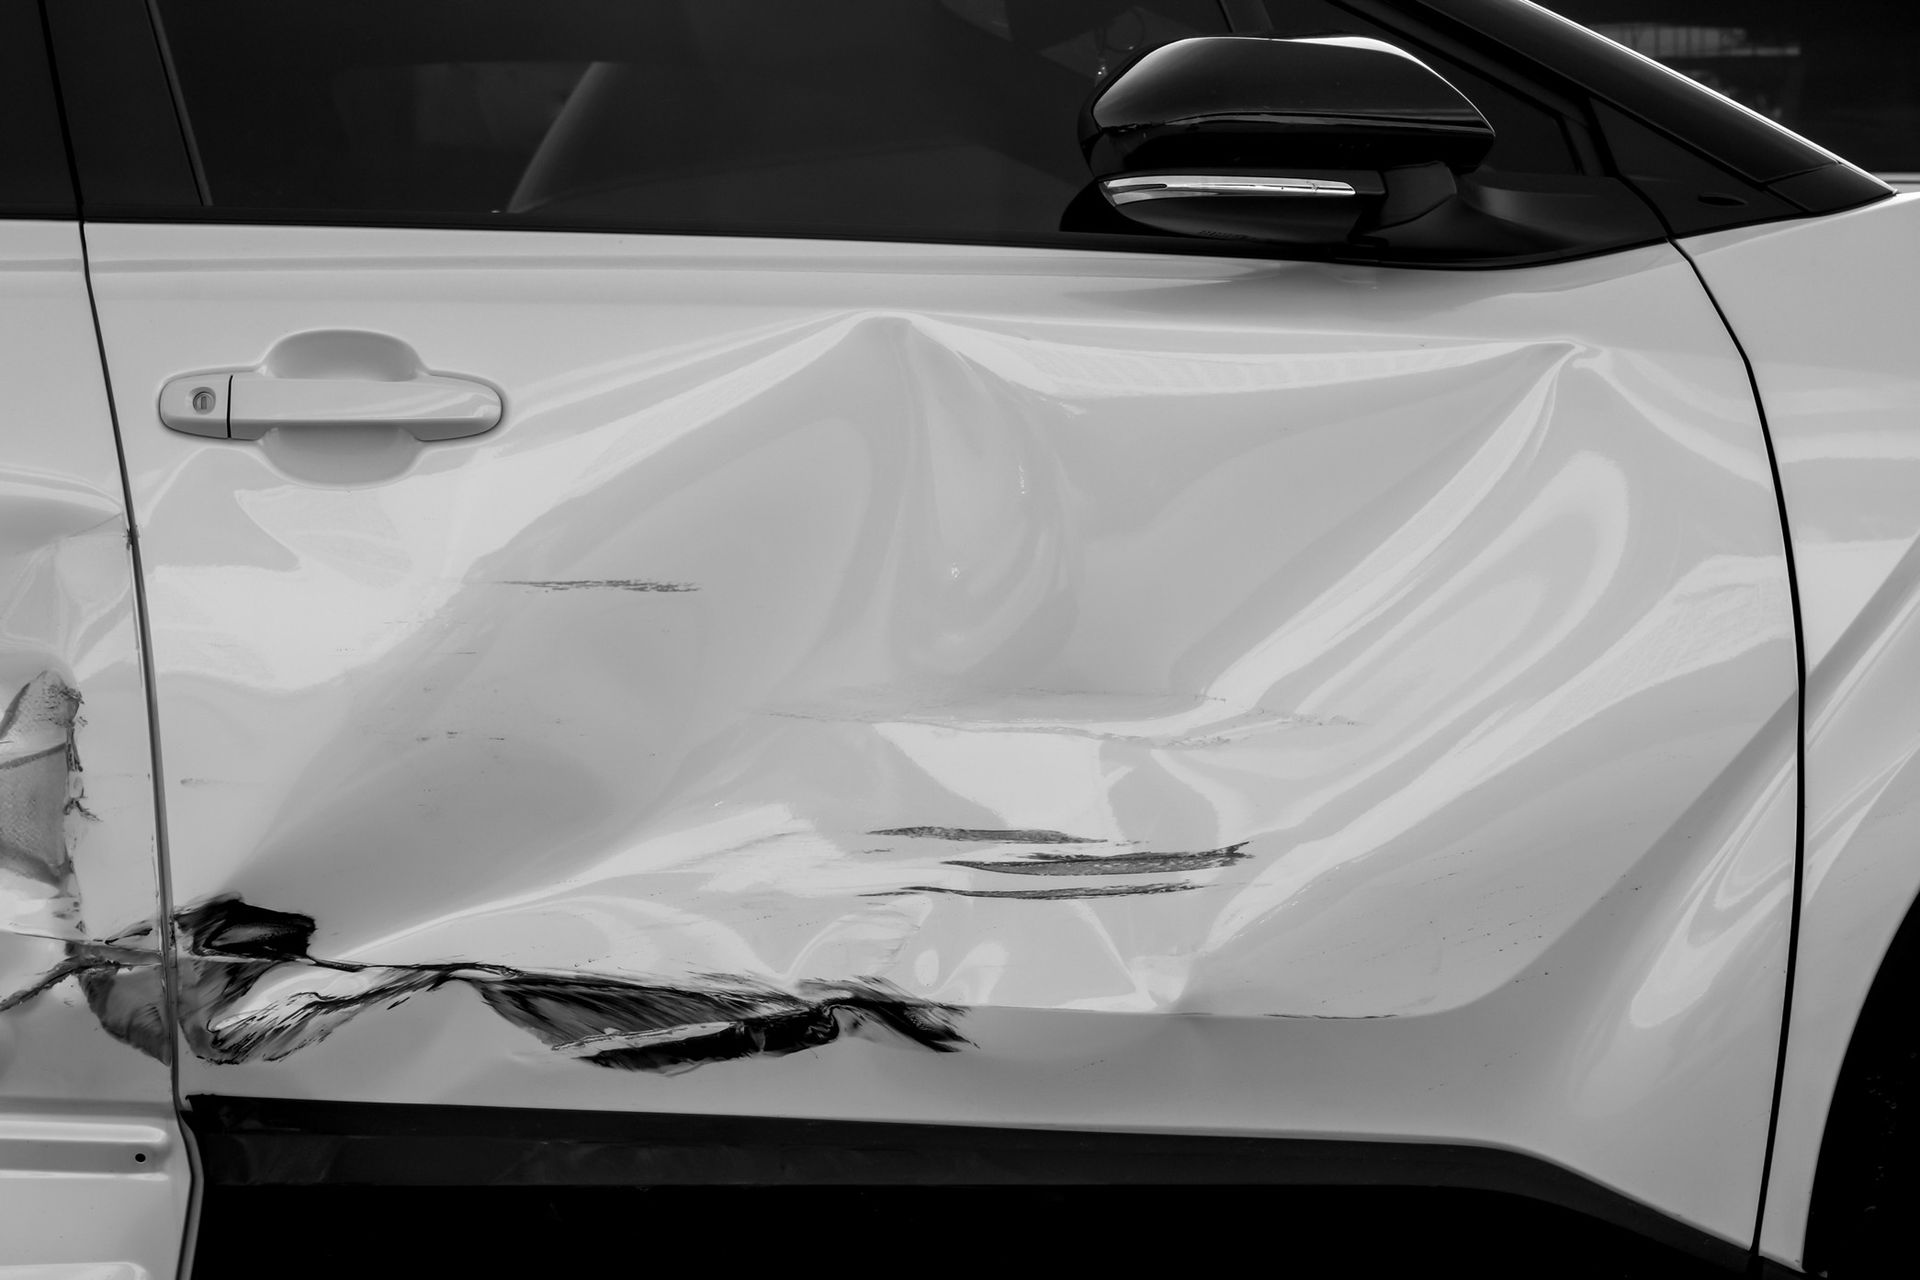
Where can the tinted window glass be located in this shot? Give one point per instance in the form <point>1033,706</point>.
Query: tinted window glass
<point>1844,73</point>
<point>33,160</point>
<point>1528,137</point>
<point>902,117</point>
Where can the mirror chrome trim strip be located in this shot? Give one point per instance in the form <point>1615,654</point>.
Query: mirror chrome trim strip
<point>1182,185</point>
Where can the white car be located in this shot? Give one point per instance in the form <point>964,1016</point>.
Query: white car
<point>947,590</point>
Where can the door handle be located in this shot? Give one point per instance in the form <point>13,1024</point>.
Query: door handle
<point>246,405</point>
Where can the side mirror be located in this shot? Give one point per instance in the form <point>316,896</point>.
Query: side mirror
<point>1307,142</point>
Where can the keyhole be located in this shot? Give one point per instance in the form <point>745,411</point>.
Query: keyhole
<point>203,400</point>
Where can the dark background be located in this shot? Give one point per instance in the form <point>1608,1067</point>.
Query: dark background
<point>1845,73</point>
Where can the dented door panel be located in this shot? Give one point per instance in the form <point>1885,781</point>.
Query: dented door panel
<point>992,686</point>
<point>92,1170</point>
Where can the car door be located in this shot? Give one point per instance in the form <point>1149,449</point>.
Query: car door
<point>892,658</point>
<point>93,1174</point>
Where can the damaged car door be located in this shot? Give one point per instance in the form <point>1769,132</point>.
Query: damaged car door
<point>777,539</point>
<point>93,1174</point>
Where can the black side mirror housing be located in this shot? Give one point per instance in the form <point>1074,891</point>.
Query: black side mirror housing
<point>1307,142</point>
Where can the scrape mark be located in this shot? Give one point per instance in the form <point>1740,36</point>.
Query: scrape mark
<point>124,987</point>
<point>601,584</point>
<point>1332,1017</point>
<point>676,1028</point>
<point>978,836</point>
<point>249,991</point>
<point>1041,863</point>
<point>41,787</point>
<point>67,968</point>
<point>1090,891</point>
<point>40,784</point>
<point>1117,864</point>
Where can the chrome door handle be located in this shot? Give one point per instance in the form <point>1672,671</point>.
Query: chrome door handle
<point>246,405</point>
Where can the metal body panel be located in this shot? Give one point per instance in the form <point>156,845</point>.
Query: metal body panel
<point>1828,311</point>
<point>982,686</point>
<point>92,1170</point>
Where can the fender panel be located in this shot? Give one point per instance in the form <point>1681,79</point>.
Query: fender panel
<point>1828,311</point>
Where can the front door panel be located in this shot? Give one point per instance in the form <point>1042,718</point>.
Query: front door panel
<point>1001,686</point>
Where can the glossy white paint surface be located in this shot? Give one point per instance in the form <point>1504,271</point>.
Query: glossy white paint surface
<point>91,1169</point>
<point>1829,311</point>
<point>1448,609</point>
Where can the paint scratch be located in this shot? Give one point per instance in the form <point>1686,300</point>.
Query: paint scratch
<point>601,584</point>
<point>1090,891</point>
<point>1117,864</point>
<point>973,835</point>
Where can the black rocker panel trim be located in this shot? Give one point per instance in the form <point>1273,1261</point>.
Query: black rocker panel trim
<point>284,1142</point>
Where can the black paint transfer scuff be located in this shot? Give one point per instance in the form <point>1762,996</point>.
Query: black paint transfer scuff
<point>647,1027</point>
<point>602,584</point>
<point>229,947</point>
<point>1089,891</point>
<point>974,836</point>
<point>1109,864</point>
<point>1114,860</point>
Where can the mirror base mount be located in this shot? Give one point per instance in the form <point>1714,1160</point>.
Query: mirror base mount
<point>1413,193</point>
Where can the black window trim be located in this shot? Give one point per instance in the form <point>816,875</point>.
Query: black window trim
<point>25,29</point>
<point>188,141</point>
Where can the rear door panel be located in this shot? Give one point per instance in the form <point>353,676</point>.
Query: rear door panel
<point>91,1167</point>
<point>980,685</point>
<point>94,1178</point>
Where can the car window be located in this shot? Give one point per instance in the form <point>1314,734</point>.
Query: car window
<point>890,117</point>
<point>894,118</point>
<point>1843,73</point>
<point>33,160</point>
